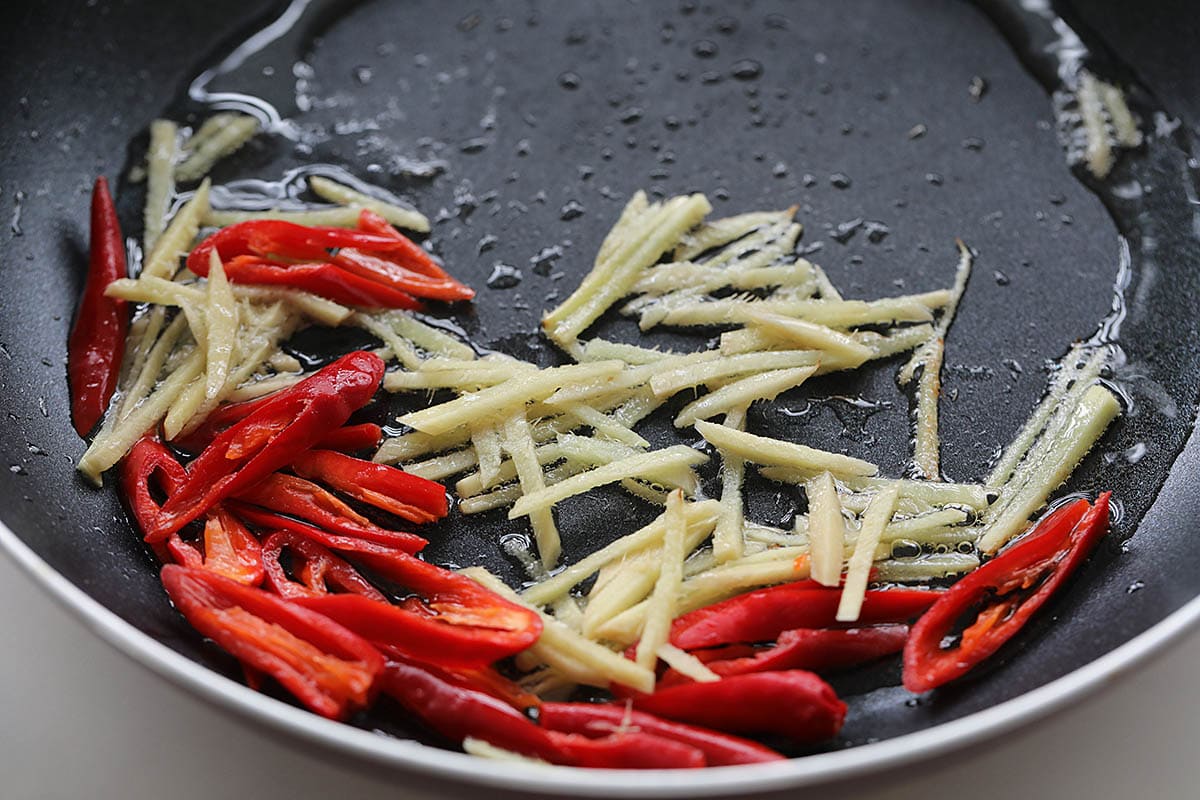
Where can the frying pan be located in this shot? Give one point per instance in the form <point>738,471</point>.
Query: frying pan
<point>507,120</point>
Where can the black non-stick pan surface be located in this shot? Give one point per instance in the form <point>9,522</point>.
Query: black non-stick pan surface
<point>522,127</point>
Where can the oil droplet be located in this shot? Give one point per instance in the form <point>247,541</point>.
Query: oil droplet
<point>977,88</point>
<point>876,231</point>
<point>569,80</point>
<point>839,180</point>
<point>1001,278</point>
<point>1136,453</point>
<point>776,22</point>
<point>845,231</point>
<point>487,243</point>
<point>973,143</point>
<point>476,145</point>
<point>18,200</point>
<point>934,179</point>
<point>631,116</point>
<point>917,131</point>
<point>470,22</point>
<point>572,209</point>
<point>543,261</point>
<point>363,75</point>
<point>17,469</point>
<point>780,170</point>
<point>704,48</point>
<point>504,276</point>
<point>1136,586</point>
<point>727,25</point>
<point>746,70</point>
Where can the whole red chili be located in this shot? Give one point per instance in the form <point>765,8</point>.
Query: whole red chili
<point>97,341</point>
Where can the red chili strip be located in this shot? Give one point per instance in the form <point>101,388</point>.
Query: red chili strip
<point>286,494</point>
<point>405,631</point>
<point>594,720</point>
<point>324,279</point>
<point>760,616</point>
<point>97,341</point>
<point>816,649</point>
<point>270,521</point>
<point>795,703</point>
<point>387,488</point>
<point>458,713</point>
<point>271,437</point>
<point>229,549</point>
<point>317,570</point>
<point>329,669</point>
<point>997,599</point>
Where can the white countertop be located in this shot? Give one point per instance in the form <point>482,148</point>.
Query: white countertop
<point>79,720</point>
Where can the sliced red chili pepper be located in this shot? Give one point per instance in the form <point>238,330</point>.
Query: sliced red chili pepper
<point>385,271</point>
<point>627,750</point>
<point>458,713</point>
<point>491,682</point>
<point>375,266</point>
<point>317,570</point>
<point>229,549</point>
<point>285,240</point>
<point>760,616</point>
<point>297,497</point>
<point>352,438</point>
<point>472,625</point>
<point>388,488</point>
<point>406,251</point>
<point>324,279</point>
<point>347,438</point>
<point>329,669</point>
<point>815,649</point>
<point>593,719</point>
<point>270,521</point>
<point>997,599</point>
<point>97,341</point>
<point>455,598</point>
<point>147,468</point>
<point>401,631</point>
<point>794,703</point>
<point>271,437</point>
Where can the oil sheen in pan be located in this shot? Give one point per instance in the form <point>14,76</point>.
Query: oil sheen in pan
<point>520,191</point>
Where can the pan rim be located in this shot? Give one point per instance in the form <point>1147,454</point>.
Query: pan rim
<point>439,764</point>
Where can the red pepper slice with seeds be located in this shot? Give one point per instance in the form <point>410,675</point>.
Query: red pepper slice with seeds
<point>996,600</point>
<point>387,488</point>
<point>317,570</point>
<point>229,549</point>
<point>97,341</point>
<point>271,437</point>
<point>287,494</point>
<point>328,668</point>
<point>412,631</point>
<point>346,541</point>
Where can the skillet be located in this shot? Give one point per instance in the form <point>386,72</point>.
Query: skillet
<point>837,93</point>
